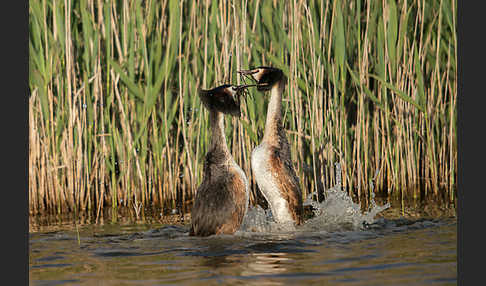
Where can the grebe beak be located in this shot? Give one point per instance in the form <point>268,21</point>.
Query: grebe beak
<point>242,87</point>
<point>247,72</point>
<point>255,76</point>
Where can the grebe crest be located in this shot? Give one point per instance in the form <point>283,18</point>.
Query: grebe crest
<point>271,161</point>
<point>266,77</point>
<point>224,98</point>
<point>222,198</point>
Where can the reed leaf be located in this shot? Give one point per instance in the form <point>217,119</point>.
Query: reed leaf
<point>115,118</point>
<point>398,92</point>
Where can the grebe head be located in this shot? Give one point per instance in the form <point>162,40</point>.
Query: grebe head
<point>224,98</point>
<point>266,77</point>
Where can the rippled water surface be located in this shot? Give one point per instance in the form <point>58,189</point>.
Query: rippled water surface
<point>397,251</point>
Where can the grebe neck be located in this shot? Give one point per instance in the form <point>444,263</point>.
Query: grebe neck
<point>273,124</point>
<point>218,138</point>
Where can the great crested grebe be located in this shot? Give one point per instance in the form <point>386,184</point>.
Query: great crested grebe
<point>270,161</point>
<point>222,198</point>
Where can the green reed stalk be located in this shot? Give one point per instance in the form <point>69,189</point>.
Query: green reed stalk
<point>115,119</point>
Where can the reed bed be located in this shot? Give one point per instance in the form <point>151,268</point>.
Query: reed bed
<point>115,120</point>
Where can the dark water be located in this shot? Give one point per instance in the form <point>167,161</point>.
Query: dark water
<point>419,251</point>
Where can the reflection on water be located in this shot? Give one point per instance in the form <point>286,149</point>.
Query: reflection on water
<point>340,246</point>
<point>389,252</point>
<point>266,263</point>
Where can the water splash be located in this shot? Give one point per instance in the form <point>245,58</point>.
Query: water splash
<point>259,220</point>
<point>337,212</point>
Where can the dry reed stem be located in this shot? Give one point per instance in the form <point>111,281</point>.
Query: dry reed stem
<point>115,119</point>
